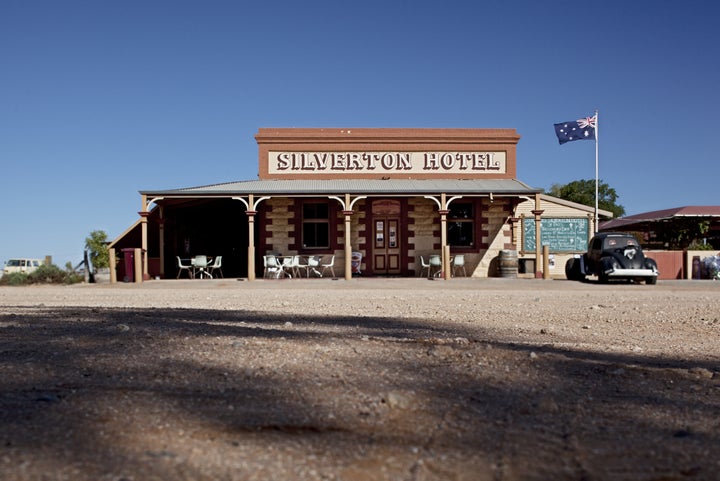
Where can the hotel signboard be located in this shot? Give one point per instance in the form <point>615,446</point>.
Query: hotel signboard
<point>389,162</point>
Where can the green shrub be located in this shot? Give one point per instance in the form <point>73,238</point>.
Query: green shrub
<point>697,246</point>
<point>51,274</point>
<point>73,278</point>
<point>47,275</point>
<point>14,279</point>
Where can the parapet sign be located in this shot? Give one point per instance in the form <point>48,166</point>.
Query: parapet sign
<point>386,162</point>
<point>386,153</point>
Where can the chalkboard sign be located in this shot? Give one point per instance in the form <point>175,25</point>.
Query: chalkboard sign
<point>562,234</point>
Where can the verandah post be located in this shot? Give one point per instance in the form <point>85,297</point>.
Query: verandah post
<point>348,245</point>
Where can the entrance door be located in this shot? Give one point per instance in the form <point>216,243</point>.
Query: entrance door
<point>387,244</point>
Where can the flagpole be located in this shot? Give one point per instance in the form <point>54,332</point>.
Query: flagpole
<point>597,127</point>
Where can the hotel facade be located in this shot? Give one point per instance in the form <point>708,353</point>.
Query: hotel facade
<point>392,195</point>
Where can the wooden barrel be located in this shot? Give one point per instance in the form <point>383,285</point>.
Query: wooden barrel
<point>508,263</point>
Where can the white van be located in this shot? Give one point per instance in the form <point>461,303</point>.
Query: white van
<point>22,265</point>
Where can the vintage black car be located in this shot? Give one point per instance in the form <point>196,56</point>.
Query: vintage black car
<point>613,255</point>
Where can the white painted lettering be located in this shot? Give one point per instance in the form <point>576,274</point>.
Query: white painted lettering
<point>447,161</point>
<point>404,162</point>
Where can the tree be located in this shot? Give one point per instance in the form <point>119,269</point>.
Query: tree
<point>96,244</point>
<point>583,192</point>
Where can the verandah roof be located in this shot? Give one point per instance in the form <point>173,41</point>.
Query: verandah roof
<point>354,186</point>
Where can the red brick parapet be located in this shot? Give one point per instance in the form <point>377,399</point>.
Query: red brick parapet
<point>365,140</point>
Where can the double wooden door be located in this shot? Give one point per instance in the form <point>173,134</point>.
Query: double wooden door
<point>387,242</point>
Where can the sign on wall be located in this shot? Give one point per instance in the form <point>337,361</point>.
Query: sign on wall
<point>562,234</point>
<point>387,162</point>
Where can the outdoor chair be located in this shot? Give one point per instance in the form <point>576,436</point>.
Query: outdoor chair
<point>329,266</point>
<point>271,266</point>
<point>288,266</point>
<point>313,263</point>
<point>459,263</point>
<point>184,267</point>
<point>297,264</point>
<point>423,266</point>
<point>435,265</point>
<point>216,266</point>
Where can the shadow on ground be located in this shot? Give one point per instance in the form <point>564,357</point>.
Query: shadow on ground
<point>94,393</point>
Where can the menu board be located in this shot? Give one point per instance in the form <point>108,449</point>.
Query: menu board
<point>562,234</point>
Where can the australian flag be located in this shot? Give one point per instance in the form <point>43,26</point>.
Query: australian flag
<point>581,129</point>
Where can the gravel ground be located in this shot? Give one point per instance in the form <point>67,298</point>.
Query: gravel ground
<point>367,379</point>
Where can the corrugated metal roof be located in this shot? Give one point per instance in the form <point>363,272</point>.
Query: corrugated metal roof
<point>354,186</point>
<point>575,205</point>
<point>663,215</point>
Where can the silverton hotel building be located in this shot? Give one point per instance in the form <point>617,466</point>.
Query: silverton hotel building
<point>392,195</point>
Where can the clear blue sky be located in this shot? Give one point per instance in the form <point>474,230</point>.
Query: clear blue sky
<point>100,99</point>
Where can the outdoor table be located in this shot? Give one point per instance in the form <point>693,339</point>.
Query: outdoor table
<point>200,264</point>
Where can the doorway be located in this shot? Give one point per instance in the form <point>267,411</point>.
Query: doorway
<point>387,240</point>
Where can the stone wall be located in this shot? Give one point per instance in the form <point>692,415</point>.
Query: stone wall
<point>497,235</point>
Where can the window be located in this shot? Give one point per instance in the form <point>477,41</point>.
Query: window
<point>461,225</point>
<point>315,225</point>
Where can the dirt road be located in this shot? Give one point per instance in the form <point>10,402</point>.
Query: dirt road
<point>398,379</point>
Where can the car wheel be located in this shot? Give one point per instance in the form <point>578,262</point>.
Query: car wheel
<point>571,269</point>
<point>651,281</point>
<point>603,278</point>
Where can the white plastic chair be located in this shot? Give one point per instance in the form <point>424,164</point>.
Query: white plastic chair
<point>327,266</point>
<point>216,265</point>
<point>297,264</point>
<point>184,267</point>
<point>286,266</point>
<point>459,263</point>
<point>424,265</point>
<point>271,266</point>
<point>435,265</point>
<point>313,263</point>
